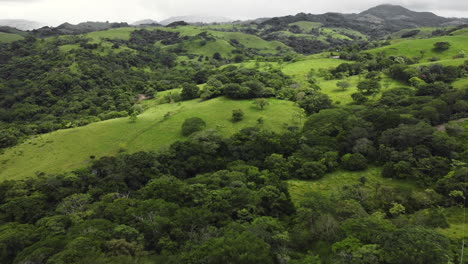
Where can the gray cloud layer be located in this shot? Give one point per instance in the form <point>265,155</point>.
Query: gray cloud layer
<point>57,11</point>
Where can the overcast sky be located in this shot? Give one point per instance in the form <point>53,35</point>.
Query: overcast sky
<point>54,12</point>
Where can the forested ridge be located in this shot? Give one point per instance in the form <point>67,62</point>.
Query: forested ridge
<point>211,200</point>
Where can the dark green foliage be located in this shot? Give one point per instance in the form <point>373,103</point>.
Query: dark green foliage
<point>210,199</point>
<point>369,86</point>
<point>359,98</point>
<point>46,89</point>
<point>417,245</point>
<point>315,102</point>
<point>237,115</point>
<point>410,33</point>
<point>311,171</point>
<point>189,91</point>
<point>441,46</point>
<point>354,162</point>
<point>192,125</point>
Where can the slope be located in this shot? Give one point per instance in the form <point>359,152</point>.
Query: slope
<point>159,126</point>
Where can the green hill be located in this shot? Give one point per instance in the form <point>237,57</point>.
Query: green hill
<point>9,37</point>
<point>65,150</point>
<point>423,48</point>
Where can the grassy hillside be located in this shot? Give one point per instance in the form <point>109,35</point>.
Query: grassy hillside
<point>70,149</point>
<point>221,44</point>
<point>334,182</point>
<point>425,32</point>
<point>9,37</point>
<point>299,69</point>
<point>414,47</point>
<point>117,33</point>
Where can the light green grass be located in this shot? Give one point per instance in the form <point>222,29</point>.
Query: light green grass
<point>251,41</point>
<point>460,83</point>
<point>460,32</point>
<point>447,62</point>
<point>350,32</point>
<point>9,37</point>
<point>183,30</point>
<point>455,219</point>
<point>117,33</point>
<point>65,150</point>
<point>219,45</point>
<point>424,32</point>
<point>69,47</point>
<point>334,182</point>
<point>413,47</point>
<point>333,34</point>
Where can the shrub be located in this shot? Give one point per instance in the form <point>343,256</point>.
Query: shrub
<point>311,171</point>
<point>441,46</point>
<point>192,125</point>
<point>189,91</point>
<point>354,162</point>
<point>237,115</point>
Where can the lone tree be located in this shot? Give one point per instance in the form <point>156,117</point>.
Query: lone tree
<point>261,103</point>
<point>343,85</point>
<point>189,91</point>
<point>133,117</point>
<point>369,86</point>
<point>192,125</point>
<point>217,56</point>
<point>441,46</point>
<point>237,115</point>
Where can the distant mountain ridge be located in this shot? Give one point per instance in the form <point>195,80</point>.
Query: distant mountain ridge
<point>196,19</point>
<point>377,21</point>
<point>81,28</point>
<point>145,22</point>
<point>21,24</point>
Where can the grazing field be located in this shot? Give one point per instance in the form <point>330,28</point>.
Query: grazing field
<point>455,219</point>
<point>424,32</point>
<point>65,150</point>
<point>9,37</point>
<point>117,33</point>
<point>461,83</point>
<point>414,47</point>
<point>298,70</point>
<point>334,182</point>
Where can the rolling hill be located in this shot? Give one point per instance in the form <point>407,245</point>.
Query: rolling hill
<point>156,128</point>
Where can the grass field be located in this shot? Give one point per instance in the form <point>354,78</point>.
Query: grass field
<point>298,70</point>
<point>9,37</point>
<point>461,83</point>
<point>455,219</point>
<point>65,150</point>
<point>424,32</point>
<point>334,182</point>
<point>447,62</point>
<point>413,47</point>
<point>117,33</point>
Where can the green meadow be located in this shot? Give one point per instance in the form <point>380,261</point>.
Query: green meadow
<point>156,128</point>
<point>9,37</point>
<point>424,47</point>
<point>334,183</point>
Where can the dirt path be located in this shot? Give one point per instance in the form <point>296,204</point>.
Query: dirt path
<point>442,127</point>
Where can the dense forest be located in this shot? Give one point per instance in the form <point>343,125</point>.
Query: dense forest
<point>212,200</point>
<point>394,117</point>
